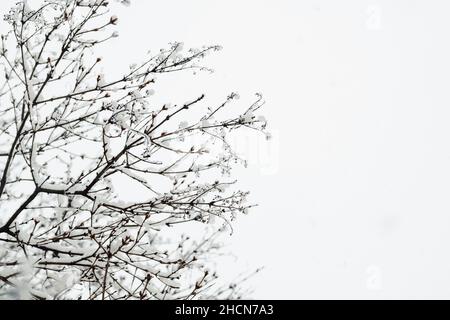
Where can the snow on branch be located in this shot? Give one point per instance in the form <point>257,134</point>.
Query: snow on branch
<point>71,136</point>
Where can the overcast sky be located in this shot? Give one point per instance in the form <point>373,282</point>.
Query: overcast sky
<point>353,190</point>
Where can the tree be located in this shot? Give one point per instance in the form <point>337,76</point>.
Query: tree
<point>69,135</point>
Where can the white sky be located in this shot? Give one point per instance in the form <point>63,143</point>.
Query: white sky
<point>355,202</point>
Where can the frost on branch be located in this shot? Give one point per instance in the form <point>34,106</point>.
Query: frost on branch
<point>71,136</point>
